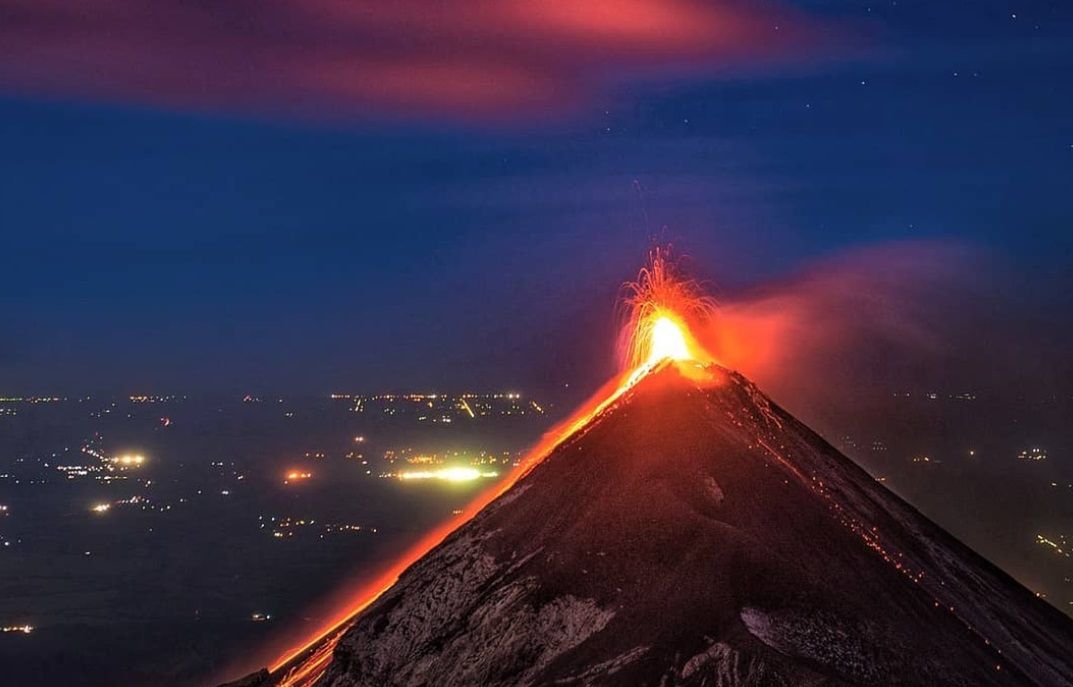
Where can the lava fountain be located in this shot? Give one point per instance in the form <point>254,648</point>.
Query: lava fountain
<point>658,310</point>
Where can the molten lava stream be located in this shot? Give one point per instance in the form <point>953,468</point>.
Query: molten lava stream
<point>300,670</point>
<point>660,305</point>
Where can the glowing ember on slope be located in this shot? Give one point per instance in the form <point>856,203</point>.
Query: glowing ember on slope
<point>660,306</point>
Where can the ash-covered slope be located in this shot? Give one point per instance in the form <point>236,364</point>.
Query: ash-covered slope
<point>696,536</point>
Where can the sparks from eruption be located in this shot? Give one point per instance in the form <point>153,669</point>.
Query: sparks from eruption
<point>658,309</point>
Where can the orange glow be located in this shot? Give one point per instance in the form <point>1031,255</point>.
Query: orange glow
<point>296,476</point>
<point>128,460</point>
<point>661,310</point>
<point>668,341</point>
<point>659,307</point>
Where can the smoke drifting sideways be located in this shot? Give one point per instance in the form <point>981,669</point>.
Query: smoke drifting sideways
<point>346,58</point>
<point>892,317</point>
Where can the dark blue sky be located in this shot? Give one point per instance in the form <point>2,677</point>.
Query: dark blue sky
<point>149,248</point>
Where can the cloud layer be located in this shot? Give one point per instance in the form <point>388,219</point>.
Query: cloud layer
<point>348,57</point>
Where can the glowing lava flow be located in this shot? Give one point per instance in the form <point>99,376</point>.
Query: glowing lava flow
<point>659,306</point>
<point>303,665</point>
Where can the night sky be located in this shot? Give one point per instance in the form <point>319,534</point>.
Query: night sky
<point>403,202</point>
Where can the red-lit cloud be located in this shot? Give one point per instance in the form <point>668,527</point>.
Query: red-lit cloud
<point>865,296</point>
<point>336,58</point>
<point>878,318</point>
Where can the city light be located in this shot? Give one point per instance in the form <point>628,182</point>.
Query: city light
<point>128,460</point>
<point>297,476</point>
<point>1034,454</point>
<point>101,507</point>
<point>451,474</point>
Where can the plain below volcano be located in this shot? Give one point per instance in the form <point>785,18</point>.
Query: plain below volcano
<point>697,534</point>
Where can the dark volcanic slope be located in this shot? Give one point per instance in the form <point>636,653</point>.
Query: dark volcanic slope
<point>703,537</point>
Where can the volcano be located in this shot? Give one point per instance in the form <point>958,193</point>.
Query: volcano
<point>694,533</point>
<point>682,529</point>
